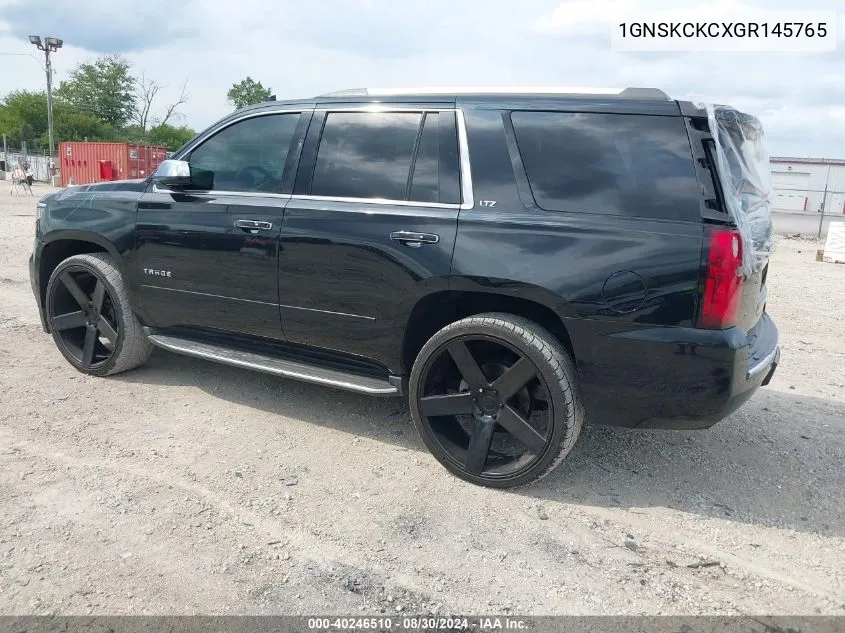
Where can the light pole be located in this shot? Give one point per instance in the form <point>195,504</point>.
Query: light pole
<point>49,45</point>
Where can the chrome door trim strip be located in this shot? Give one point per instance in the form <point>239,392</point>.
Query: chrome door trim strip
<point>266,303</point>
<point>400,203</point>
<point>344,314</point>
<point>208,294</point>
<point>212,193</point>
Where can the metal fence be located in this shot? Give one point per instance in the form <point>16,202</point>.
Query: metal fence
<point>807,211</point>
<point>37,162</point>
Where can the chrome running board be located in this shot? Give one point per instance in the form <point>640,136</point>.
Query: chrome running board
<point>288,368</point>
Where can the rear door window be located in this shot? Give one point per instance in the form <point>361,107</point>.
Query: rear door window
<point>425,181</point>
<point>402,156</point>
<point>366,154</point>
<point>615,164</point>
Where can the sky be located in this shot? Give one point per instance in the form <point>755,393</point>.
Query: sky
<point>301,49</point>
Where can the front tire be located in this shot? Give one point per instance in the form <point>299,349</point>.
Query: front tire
<point>495,399</point>
<point>90,317</point>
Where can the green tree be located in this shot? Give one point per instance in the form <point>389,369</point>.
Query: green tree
<point>70,124</point>
<point>247,92</point>
<point>131,134</point>
<point>23,117</point>
<point>170,136</point>
<point>104,88</point>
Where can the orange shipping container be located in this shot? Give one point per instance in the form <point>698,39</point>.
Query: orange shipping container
<point>83,163</point>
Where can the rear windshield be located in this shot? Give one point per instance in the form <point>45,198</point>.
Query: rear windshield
<point>614,164</point>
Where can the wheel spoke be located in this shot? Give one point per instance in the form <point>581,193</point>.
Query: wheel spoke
<point>517,426</point>
<point>514,378</point>
<point>88,348</point>
<point>107,330</point>
<point>470,371</point>
<point>447,404</point>
<point>479,446</point>
<point>75,290</point>
<point>69,320</point>
<point>99,294</point>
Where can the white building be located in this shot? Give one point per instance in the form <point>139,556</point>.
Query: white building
<point>798,185</point>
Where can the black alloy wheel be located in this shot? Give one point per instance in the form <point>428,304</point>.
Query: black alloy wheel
<point>90,317</point>
<point>84,316</point>
<point>489,403</point>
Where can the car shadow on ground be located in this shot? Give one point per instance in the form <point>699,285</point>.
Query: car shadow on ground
<point>778,462</point>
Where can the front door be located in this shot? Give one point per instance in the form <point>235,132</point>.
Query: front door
<point>370,228</point>
<point>207,256</point>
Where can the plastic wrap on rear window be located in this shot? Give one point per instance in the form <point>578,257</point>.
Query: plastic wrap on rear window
<point>744,172</point>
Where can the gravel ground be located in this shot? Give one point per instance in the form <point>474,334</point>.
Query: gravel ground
<point>191,487</point>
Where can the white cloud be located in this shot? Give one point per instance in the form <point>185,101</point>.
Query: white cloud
<point>301,49</point>
<point>579,12</point>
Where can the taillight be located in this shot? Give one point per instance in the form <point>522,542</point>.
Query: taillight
<point>723,283</point>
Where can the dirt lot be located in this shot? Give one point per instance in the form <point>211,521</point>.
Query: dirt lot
<point>191,487</point>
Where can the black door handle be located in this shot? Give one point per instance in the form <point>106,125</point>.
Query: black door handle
<point>414,239</point>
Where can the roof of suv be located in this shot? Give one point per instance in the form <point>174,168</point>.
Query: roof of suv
<point>571,91</point>
<point>635,100</point>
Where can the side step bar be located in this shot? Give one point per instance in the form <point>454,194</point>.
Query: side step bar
<point>278,366</point>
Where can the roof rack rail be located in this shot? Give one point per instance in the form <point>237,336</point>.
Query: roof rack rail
<point>625,93</point>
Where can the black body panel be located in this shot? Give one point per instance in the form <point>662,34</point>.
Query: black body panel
<point>220,275</point>
<point>335,281</point>
<point>344,284</point>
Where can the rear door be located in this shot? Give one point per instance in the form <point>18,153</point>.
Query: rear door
<point>207,256</point>
<point>370,228</point>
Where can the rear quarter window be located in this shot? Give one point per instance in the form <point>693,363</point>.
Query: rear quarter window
<point>614,164</point>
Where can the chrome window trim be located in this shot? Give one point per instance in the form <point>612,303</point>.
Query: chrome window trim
<point>467,200</point>
<point>464,169</point>
<point>207,134</point>
<point>400,203</point>
<point>211,193</point>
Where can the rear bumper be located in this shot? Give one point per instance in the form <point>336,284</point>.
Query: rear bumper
<point>677,378</point>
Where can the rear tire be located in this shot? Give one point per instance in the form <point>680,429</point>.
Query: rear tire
<point>90,317</point>
<point>495,398</point>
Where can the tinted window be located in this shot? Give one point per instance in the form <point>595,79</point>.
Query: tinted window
<point>425,183</point>
<point>492,169</point>
<point>365,154</point>
<point>450,181</point>
<point>617,164</point>
<point>247,156</point>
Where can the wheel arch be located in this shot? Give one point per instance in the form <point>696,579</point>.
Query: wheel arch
<point>63,244</point>
<point>436,310</point>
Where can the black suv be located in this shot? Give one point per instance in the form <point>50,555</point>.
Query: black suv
<point>514,264</point>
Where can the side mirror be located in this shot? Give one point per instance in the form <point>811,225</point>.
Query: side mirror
<point>173,173</point>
